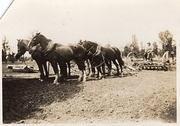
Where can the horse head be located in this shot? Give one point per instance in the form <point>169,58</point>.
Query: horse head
<point>90,47</point>
<point>39,39</point>
<point>79,51</point>
<point>35,40</point>
<point>22,47</point>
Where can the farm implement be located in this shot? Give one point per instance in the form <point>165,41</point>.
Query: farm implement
<point>22,68</point>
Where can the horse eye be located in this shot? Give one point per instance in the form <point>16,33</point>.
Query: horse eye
<point>34,39</point>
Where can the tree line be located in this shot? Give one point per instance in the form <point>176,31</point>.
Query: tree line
<point>166,40</point>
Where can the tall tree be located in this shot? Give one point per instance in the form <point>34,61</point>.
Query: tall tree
<point>134,45</point>
<point>5,49</point>
<point>166,38</point>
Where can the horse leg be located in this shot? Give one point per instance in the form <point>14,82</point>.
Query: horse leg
<point>109,65</point>
<point>116,64</point>
<point>92,74</point>
<point>56,71</point>
<point>83,75</point>
<point>63,70</point>
<point>89,69</point>
<point>69,68</point>
<point>98,71</point>
<point>40,66</point>
<point>99,75</point>
<point>103,70</point>
<point>81,67</point>
<point>120,65</point>
<point>121,68</point>
<point>46,69</point>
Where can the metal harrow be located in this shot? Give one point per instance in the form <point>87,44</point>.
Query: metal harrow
<point>154,66</point>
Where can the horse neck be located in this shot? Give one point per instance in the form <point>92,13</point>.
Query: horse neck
<point>94,48</point>
<point>26,43</point>
<point>44,43</point>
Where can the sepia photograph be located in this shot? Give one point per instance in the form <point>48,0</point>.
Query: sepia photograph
<point>89,61</point>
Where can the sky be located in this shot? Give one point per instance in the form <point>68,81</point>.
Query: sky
<point>104,21</point>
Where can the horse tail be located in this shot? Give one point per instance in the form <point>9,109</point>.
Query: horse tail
<point>119,55</point>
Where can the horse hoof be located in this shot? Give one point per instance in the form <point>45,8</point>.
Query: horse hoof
<point>56,83</point>
<point>79,79</point>
<point>100,78</point>
<point>41,80</point>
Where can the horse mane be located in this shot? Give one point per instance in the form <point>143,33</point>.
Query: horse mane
<point>92,43</point>
<point>25,42</point>
<point>44,38</point>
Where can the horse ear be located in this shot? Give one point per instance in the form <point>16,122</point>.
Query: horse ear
<point>38,33</point>
<point>18,40</point>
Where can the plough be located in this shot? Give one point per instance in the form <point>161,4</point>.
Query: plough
<point>157,64</point>
<point>154,66</point>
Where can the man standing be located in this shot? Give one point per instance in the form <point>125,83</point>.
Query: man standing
<point>148,52</point>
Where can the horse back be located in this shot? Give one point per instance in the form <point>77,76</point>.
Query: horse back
<point>64,52</point>
<point>108,52</point>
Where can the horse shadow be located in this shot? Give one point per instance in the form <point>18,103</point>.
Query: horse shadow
<point>22,98</point>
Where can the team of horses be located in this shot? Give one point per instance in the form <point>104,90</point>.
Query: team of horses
<point>97,57</point>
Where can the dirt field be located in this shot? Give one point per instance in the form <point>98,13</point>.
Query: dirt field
<point>149,95</point>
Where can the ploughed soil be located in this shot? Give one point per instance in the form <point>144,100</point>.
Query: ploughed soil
<point>148,95</point>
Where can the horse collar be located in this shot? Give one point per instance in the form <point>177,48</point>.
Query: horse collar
<point>98,50</point>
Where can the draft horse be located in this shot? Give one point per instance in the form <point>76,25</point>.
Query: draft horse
<point>36,54</point>
<point>100,56</point>
<point>60,54</point>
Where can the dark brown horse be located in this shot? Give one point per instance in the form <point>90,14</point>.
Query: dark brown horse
<point>95,57</point>
<point>60,54</point>
<point>36,54</point>
<point>108,54</point>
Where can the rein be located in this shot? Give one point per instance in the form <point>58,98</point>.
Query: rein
<point>96,52</point>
